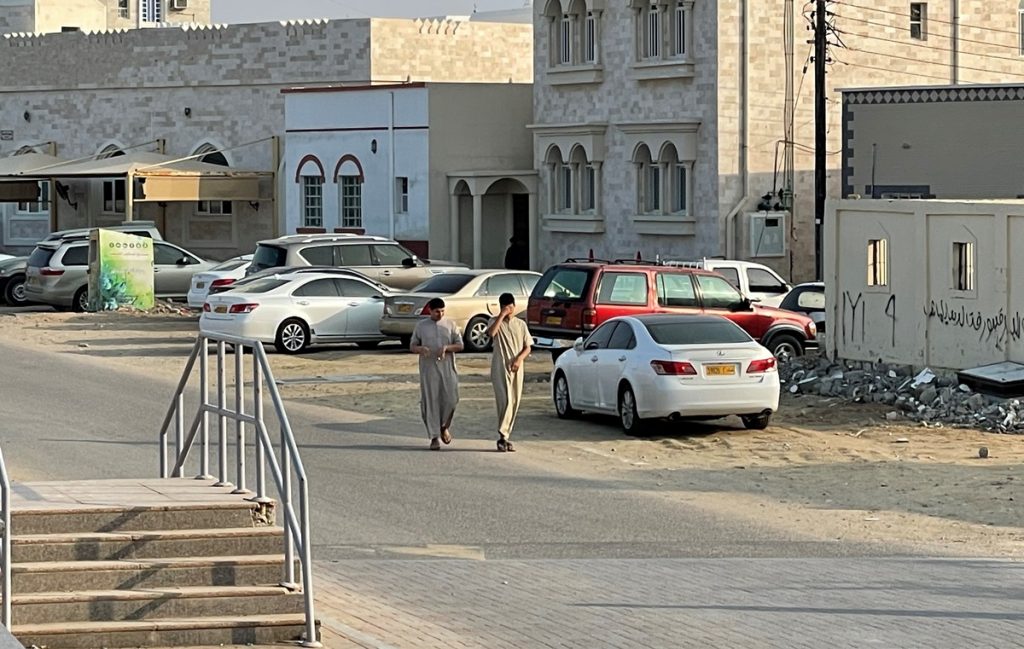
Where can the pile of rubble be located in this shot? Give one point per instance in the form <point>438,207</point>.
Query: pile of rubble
<point>933,398</point>
<point>161,307</point>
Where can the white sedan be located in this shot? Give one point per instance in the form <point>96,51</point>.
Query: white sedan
<point>667,366</point>
<point>223,274</point>
<point>298,310</point>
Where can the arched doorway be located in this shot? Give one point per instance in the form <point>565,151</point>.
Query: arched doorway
<point>489,211</point>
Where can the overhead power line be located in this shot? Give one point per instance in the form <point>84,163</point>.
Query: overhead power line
<point>993,57</point>
<point>1015,48</point>
<point>920,62</point>
<point>903,14</point>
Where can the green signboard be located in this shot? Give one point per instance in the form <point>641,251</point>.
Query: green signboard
<point>120,271</point>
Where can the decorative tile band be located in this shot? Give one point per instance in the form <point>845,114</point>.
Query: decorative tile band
<point>934,95</point>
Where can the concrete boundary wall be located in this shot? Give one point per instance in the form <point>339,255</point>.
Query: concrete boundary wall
<point>951,294</point>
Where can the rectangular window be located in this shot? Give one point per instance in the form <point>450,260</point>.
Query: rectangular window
<point>312,202</point>
<point>40,206</point>
<point>652,42</point>
<point>652,198</point>
<point>963,266</point>
<point>589,193</point>
<point>351,202</point>
<point>679,190</point>
<point>565,188</point>
<point>401,195</point>
<point>113,196</point>
<point>590,44</point>
<point>151,11</point>
<point>1020,30</point>
<point>679,32</point>
<point>122,9</point>
<point>565,41</point>
<point>214,208</point>
<point>919,20</point>
<point>878,262</point>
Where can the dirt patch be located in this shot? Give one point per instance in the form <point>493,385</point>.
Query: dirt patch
<point>824,468</point>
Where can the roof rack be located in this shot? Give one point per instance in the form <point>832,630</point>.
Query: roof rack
<point>586,260</point>
<point>637,262</point>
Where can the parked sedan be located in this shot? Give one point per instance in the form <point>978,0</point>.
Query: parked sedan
<point>808,299</point>
<point>470,296</point>
<point>12,281</point>
<point>224,274</point>
<point>298,310</point>
<point>667,366</point>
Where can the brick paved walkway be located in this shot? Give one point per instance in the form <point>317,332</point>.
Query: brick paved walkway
<point>671,603</point>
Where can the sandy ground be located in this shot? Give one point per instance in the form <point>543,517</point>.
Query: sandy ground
<point>824,468</point>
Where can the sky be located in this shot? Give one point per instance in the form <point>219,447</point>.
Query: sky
<point>250,11</point>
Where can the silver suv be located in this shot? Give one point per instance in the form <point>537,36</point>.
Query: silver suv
<point>57,272</point>
<point>380,259</point>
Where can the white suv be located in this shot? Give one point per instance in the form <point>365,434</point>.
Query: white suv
<point>756,281</point>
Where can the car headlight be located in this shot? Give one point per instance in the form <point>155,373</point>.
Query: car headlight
<point>812,329</point>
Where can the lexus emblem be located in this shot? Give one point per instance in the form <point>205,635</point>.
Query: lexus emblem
<point>720,352</point>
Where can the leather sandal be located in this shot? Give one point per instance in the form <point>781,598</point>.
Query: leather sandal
<point>446,436</point>
<point>435,444</point>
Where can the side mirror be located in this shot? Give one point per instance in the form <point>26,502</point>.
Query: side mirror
<point>578,345</point>
<point>409,262</point>
<point>182,262</point>
<point>742,305</point>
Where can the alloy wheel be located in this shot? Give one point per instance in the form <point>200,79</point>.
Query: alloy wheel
<point>478,335</point>
<point>562,395</point>
<point>627,410</point>
<point>18,292</point>
<point>293,337</point>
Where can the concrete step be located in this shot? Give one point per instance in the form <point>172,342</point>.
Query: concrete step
<point>147,518</point>
<point>107,546</point>
<point>169,632</point>
<point>70,576</point>
<point>154,603</point>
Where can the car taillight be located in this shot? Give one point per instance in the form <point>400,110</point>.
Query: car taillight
<point>221,282</point>
<point>761,366</point>
<point>426,309</point>
<point>242,308</point>
<point>51,272</point>
<point>673,368</point>
<point>589,318</point>
<point>206,307</point>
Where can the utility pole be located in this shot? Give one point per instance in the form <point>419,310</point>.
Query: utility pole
<point>820,120</point>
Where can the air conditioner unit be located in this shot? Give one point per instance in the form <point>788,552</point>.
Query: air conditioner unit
<point>179,4</point>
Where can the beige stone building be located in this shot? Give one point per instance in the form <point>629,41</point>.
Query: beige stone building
<point>45,16</point>
<point>659,125</point>
<point>209,90</point>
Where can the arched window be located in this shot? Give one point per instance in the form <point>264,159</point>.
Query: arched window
<point>211,155</point>
<point>574,32</point>
<point>663,29</point>
<point>560,176</point>
<point>648,181</point>
<point>677,180</point>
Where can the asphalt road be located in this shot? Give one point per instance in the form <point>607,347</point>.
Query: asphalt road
<point>376,491</point>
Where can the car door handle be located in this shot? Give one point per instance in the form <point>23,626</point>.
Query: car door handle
<point>303,302</point>
<point>622,359</point>
<point>593,359</point>
<point>353,304</point>
<point>386,273</point>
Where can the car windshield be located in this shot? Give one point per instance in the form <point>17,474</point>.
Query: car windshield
<point>231,264</point>
<point>268,257</point>
<point>446,284</point>
<point>40,257</point>
<point>264,285</point>
<point>699,332</point>
<point>562,284</point>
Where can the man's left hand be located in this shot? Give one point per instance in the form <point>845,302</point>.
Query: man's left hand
<point>514,365</point>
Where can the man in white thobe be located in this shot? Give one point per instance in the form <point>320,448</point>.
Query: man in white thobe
<point>511,342</point>
<point>436,340</point>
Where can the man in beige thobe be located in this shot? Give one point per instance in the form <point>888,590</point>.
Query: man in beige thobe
<point>436,340</point>
<point>511,342</point>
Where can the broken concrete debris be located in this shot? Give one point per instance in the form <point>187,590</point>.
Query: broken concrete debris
<point>931,397</point>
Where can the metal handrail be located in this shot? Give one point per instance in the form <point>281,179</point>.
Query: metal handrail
<point>297,537</point>
<point>5,503</point>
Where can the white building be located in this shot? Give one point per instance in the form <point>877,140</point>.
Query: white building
<point>443,168</point>
<point>925,282</point>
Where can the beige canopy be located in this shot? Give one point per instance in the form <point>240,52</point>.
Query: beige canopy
<point>161,177</point>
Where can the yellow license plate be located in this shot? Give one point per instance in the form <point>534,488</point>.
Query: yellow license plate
<point>720,370</point>
<point>220,309</point>
<point>554,321</point>
<point>405,308</point>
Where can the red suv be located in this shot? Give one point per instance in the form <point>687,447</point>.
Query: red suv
<point>573,298</point>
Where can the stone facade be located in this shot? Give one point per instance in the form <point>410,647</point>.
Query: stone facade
<point>618,90</point>
<point>218,86</point>
<point>46,16</point>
